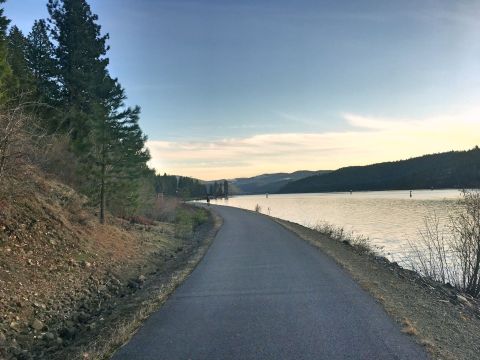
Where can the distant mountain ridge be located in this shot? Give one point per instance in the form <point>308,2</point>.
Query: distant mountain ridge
<point>454,169</point>
<point>265,183</point>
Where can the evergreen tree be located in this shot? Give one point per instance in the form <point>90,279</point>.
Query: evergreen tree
<point>123,169</point>
<point>105,134</point>
<point>22,77</point>
<point>41,63</point>
<point>225,188</point>
<point>82,67</point>
<point>5,71</point>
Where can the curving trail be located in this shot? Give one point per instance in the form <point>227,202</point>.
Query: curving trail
<point>262,293</point>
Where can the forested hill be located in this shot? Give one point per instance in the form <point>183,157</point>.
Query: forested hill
<point>265,183</point>
<point>454,169</point>
<point>270,183</point>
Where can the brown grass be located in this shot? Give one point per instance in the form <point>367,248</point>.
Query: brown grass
<point>122,331</point>
<point>408,328</point>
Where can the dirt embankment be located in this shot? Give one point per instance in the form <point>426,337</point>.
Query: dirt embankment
<point>70,287</point>
<point>445,321</point>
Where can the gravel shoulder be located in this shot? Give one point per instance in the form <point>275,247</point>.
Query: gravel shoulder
<point>446,322</point>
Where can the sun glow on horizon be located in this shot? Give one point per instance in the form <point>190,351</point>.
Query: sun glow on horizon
<point>368,140</point>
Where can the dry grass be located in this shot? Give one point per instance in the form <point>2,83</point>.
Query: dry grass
<point>408,328</point>
<point>122,331</point>
<point>359,242</point>
<point>53,252</point>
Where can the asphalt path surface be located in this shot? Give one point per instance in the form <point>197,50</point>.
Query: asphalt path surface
<point>263,293</point>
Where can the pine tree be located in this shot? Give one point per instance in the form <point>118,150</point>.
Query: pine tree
<point>225,188</point>
<point>105,133</point>
<point>41,63</point>
<point>5,71</point>
<point>124,167</point>
<point>82,67</point>
<point>22,77</point>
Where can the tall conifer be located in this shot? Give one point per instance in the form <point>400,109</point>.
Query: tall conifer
<point>105,133</point>
<point>5,71</point>
<point>41,63</point>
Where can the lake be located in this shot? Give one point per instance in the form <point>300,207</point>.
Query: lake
<point>388,218</point>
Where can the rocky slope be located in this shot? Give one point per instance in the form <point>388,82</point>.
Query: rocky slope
<point>62,274</point>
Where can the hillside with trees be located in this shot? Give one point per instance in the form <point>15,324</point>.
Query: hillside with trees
<point>264,183</point>
<point>62,112</point>
<point>82,222</point>
<point>454,169</point>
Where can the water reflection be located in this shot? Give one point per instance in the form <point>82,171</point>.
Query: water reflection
<point>388,218</point>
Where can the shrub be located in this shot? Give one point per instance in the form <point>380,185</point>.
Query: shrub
<point>358,242</point>
<point>187,220</point>
<point>451,253</point>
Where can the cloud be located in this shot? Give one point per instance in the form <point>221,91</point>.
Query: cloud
<point>367,140</point>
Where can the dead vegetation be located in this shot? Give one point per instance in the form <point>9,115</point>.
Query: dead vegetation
<point>61,271</point>
<point>450,253</point>
<point>359,242</point>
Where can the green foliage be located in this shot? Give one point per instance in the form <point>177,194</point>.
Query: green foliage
<point>219,189</point>
<point>187,220</point>
<point>5,70</point>
<point>184,187</point>
<point>225,188</point>
<point>17,50</point>
<point>97,145</point>
<point>40,59</point>
<point>86,87</point>
<point>105,133</point>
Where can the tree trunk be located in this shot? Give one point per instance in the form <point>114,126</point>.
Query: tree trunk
<point>102,196</point>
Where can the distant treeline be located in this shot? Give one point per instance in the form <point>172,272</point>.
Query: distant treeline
<point>455,169</point>
<point>187,188</point>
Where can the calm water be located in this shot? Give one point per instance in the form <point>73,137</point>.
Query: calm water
<point>388,218</point>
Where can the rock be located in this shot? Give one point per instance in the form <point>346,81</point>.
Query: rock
<point>133,285</point>
<point>86,264</point>
<point>15,326</point>
<point>83,317</point>
<point>39,305</point>
<point>72,262</point>
<point>68,333</point>
<point>3,339</point>
<point>49,336</point>
<point>102,288</point>
<point>37,325</point>
<point>69,324</point>
<point>141,279</point>
<point>463,300</point>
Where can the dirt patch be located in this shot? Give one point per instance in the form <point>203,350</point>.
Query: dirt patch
<point>446,322</point>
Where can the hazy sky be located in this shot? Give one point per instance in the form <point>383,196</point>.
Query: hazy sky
<point>236,88</point>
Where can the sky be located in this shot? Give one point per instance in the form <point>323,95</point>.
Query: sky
<point>239,88</point>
